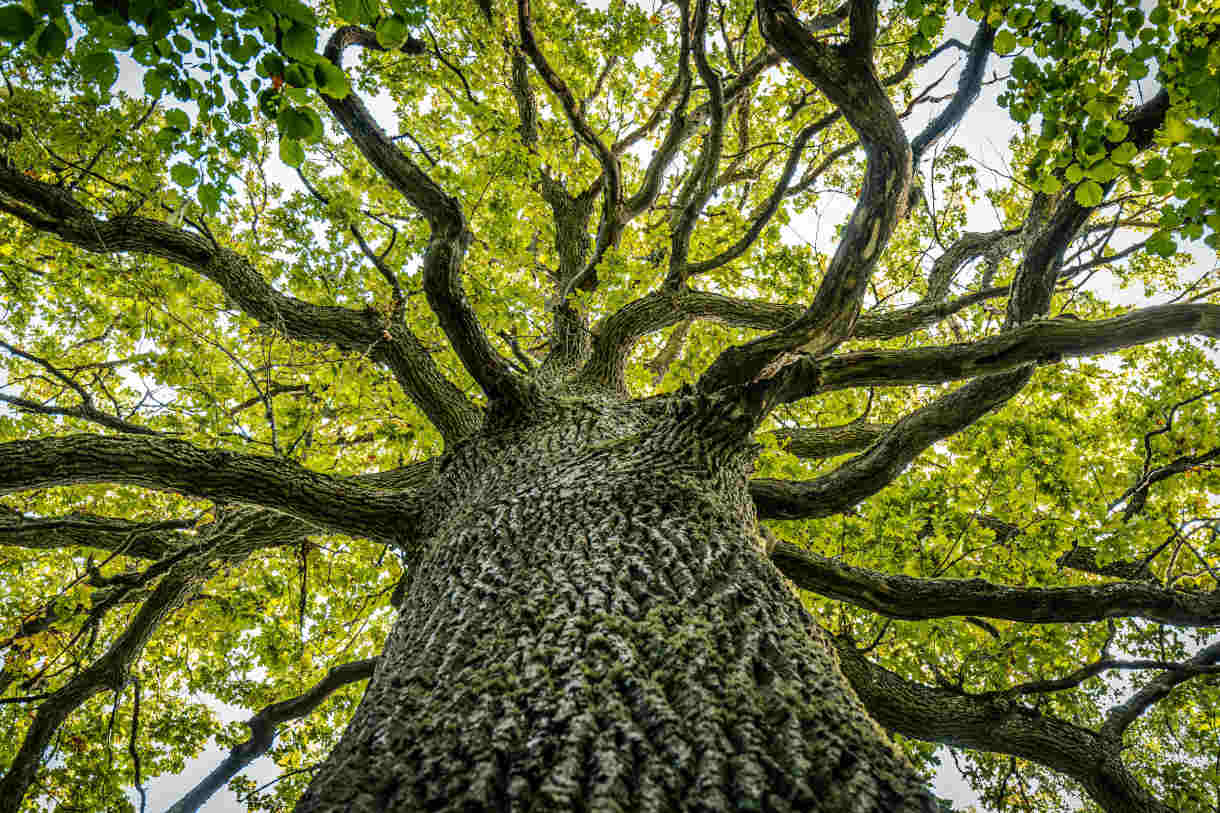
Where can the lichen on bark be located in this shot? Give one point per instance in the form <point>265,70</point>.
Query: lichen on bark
<point>592,626</point>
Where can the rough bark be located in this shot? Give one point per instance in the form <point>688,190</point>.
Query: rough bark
<point>593,626</point>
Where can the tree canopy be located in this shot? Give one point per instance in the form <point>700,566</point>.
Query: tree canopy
<point>263,262</point>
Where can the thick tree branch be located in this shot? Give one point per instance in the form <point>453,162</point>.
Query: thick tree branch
<point>167,464</point>
<point>847,77</point>
<point>230,542</point>
<point>449,236</point>
<point>54,210</point>
<point>1016,351</point>
<point>611,225</point>
<point>910,599</point>
<point>830,441</point>
<point>1120,717</point>
<point>868,473</point>
<point>968,86</point>
<point>263,729</point>
<point>700,182</point>
<point>1043,341</point>
<point>617,333</point>
<point>763,216</point>
<point>996,724</point>
<point>144,540</point>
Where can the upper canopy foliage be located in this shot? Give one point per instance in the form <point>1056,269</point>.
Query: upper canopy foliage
<point>237,289</point>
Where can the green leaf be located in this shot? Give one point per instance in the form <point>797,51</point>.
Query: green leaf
<point>184,174</point>
<point>298,76</point>
<point>1155,168</point>
<point>1162,245</point>
<point>1090,194</point>
<point>269,103</point>
<point>52,42</point>
<point>1116,131</point>
<point>16,24</point>
<point>392,32</point>
<point>331,79</point>
<point>1103,171</point>
<point>1051,185</point>
<point>300,43</point>
<point>914,9</point>
<point>296,124</point>
<point>1176,129</point>
<point>291,152</point>
<point>358,11</point>
<point>209,198</point>
<point>178,120</point>
<point>101,68</point>
<point>1073,173</point>
<point>1005,42</point>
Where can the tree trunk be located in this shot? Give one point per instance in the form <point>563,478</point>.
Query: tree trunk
<point>593,626</point>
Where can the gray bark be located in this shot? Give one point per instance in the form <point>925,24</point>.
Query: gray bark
<point>593,625</point>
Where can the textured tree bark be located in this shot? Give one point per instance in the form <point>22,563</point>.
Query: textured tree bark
<point>593,626</point>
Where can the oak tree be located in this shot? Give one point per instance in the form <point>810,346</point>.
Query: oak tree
<point>619,406</point>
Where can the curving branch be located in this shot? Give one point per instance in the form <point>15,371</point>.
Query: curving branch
<point>168,464</point>
<point>1120,717</point>
<point>1136,497</point>
<point>86,410</point>
<point>617,333</point>
<point>143,540</point>
<point>447,242</point>
<point>968,86</point>
<point>911,599</point>
<point>229,542</point>
<point>847,76</point>
<point>1013,352</point>
<point>1043,341</point>
<point>868,473</point>
<point>996,724</point>
<point>768,209</point>
<point>612,222</point>
<point>569,334</point>
<point>966,248</point>
<point>830,441</point>
<point>700,182</point>
<point>54,210</point>
<point>263,729</point>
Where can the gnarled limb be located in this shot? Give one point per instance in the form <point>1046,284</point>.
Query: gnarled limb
<point>847,76</point>
<point>829,441</point>
<point>700,182</point>
<point>447,242</point>
<point>143,540</point>
<point>968,86</point>
<point>612,222</point>
<point>168,464</point>
<point>569,334</point>
<point>54,210</point>
<point>228,542</point>
<point>1043,341</point>
<point>263,729</point>
<point>898,596</point>
<point>617,333</point>
<point>996,724</point>
<point>868,473</point>
<point>761,218</point>
<point>1120,717</point>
